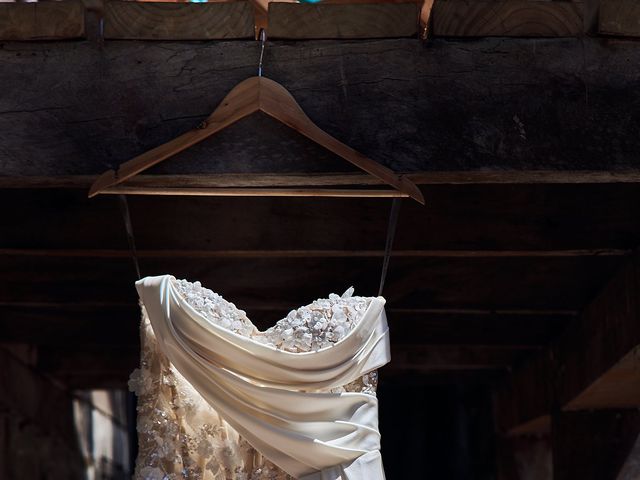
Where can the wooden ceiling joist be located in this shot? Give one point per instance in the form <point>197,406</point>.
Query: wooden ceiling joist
<point>211,254</point>
<point>230,180</point>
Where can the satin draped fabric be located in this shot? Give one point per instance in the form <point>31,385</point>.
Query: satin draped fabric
<point>271,396</point>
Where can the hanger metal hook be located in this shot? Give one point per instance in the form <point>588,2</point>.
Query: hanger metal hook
<point>263,38</point>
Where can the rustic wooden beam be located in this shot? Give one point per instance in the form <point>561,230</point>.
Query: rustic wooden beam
<point>228,180</point>
<point>42,20</point>
<point>178,21</point>
<point>587,367</point>
<point>444,125</point>
<point>343,20</point>
<point>511,18</point>
<point>619,17</point>
<point>170,253</point>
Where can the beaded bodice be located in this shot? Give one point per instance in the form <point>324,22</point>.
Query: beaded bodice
<point>180,435</point>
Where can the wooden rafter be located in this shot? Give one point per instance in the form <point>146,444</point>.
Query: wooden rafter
<point>230,180</point>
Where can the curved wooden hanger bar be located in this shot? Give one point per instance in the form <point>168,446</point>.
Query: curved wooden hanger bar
<point>250,96</point>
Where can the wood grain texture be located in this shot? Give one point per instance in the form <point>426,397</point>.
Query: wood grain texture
<point>178,21</point>
<point>228,180</point>
<point>532,105</point>
<point>168,253</point>
<point>41,20</point>
<point>619,17</point>
<point>511,18</point>
<point>374,20</point>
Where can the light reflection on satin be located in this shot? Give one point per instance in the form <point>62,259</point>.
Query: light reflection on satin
<point>270,396</point>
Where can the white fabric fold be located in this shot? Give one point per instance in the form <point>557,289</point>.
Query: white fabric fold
<point>263,392</point>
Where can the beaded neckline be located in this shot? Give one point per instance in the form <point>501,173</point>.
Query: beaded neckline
<point>319,324</point>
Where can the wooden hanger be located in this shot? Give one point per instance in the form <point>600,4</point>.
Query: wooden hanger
<point>256,94</point>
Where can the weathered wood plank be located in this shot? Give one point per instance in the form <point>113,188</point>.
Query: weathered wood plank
<point>511,18</point>
<point>532,106</point>
<point>211,254</point>
<point>373,20</point>
<point>42,20</point>
<point>178,21</point>
<point>619,17</point>
<point>498,177</point>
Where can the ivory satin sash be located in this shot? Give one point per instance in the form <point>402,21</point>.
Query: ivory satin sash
<point>256,388</point>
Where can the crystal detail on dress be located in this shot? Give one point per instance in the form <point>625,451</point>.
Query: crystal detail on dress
<point>317,325</point>
<point>215,308</point>
<point>180,436</point>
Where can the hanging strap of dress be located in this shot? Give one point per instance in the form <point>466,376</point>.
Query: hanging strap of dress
<point>391,233</point>
<point>126,218</point>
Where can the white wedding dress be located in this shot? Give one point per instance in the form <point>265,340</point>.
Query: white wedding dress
<point>219,399</point>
